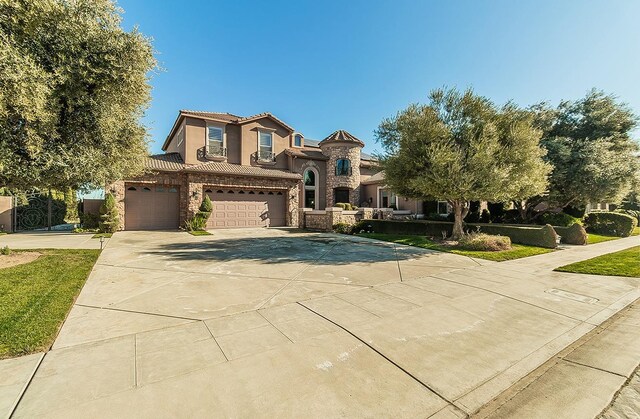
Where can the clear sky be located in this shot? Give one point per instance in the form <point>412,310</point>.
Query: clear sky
<point>327,65</point>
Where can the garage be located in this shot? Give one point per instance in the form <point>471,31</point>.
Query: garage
<point>151,207</point>
<point>237,208</point>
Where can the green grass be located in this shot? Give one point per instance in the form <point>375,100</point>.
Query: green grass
<point>636,231</point>
<point>199,233</point>
<point>105,235</point>
<point>599,238</point>
<point>35,298</point>
<point>622,263</point>
<point>517,250</point>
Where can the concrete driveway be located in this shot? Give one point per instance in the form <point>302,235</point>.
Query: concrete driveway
<point>277,323</point>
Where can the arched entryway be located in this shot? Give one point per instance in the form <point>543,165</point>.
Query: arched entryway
<point>310,183</point>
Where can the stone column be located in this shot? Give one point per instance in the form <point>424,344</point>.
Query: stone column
<point>334,216</point>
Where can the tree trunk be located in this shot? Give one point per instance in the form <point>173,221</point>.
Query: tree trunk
<point>522,209</point>
<point>460,210</point>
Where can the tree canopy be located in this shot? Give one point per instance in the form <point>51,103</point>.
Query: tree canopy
<point>590,146</point>
<point>460,147</point>
<point>73,88</point>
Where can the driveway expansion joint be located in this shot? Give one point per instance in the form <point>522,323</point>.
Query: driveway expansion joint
<point>392,362</point>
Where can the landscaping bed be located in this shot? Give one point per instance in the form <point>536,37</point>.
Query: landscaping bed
<point>622,263</point>
<point>517,251</point>
<point>35,297</point>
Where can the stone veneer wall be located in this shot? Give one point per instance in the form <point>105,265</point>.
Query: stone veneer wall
<point>324,220</point>
<point>344,151</point>
<point>192,187</point>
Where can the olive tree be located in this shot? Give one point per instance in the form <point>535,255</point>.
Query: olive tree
<point>73,88</point>
<point>460,147</point>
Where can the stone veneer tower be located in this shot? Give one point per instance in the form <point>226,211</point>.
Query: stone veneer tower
<point>337,146</point>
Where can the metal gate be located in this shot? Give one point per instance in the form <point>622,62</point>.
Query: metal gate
<point>37,210</point>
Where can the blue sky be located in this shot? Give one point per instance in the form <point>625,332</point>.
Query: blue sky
<point>327,65</point>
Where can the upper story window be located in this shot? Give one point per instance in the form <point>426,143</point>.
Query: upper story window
<point>180,136</point>
<point>265,146</point>
<point>297,140</point>
<point>343,167</point>
<point>215,141</point>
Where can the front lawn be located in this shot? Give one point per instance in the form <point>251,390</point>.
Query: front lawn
<point>517,250</point>
<point>199,233</point>
<point>599,238</point>
<point>35,298</point>
<point>622,263</point>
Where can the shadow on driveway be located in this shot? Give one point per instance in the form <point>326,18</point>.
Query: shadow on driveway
<point>275,250</point>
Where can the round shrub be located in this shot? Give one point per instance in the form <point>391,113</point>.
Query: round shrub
<point>558,219</point>
<point>610,223</point>
<point>342,228</point>
<point>484,242</point>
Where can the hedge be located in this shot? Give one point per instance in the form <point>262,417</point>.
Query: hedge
<point>419,228</point>
<point>544,236</point>
<point>610,223</point>
<point>574,234</point>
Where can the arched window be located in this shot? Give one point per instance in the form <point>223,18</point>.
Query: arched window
<point>297,140</point>
<point>311,188</point>
<point>343,167</point>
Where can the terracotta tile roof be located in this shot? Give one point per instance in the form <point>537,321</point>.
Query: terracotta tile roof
<point>264,115</point>
<point>222,116</point>
<point>306,153</point>
<point>168,162</point>
<point>342,136</point>
<point>311,143</point>
<point>236,169</point>
<point>377,178</point>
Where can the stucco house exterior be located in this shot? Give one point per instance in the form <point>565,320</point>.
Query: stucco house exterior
<point>257,170</point>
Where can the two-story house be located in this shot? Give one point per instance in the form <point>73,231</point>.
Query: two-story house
<point>257,170</point>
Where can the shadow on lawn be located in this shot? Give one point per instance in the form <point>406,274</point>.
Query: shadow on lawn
<point>321,249</point>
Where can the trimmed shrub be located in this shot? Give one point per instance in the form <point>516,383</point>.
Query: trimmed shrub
<point>610,223</point>
<point>633,213</point>
<point>529,235</point>
<point>207,205</point>
<point>419,228</point>
<point>343,228</point>
<point>89,220</point>
<point>199,221</point>
<point>109,218</point>
<point>344,205</point>
<point>544,236</point>
<point>484,242</point>
<point>574,234</point>
<point>558,219</point>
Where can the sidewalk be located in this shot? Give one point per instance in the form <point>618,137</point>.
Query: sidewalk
<point>582,380</point>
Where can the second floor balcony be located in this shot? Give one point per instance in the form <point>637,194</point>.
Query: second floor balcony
<point>216,152</point>
<point>263,156</point>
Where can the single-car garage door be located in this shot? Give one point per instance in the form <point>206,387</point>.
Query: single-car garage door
<point>235,208</point>
<point>150,207</point>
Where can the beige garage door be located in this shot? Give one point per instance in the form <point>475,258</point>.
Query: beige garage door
<point>149,207</point>
<point>237,208</point>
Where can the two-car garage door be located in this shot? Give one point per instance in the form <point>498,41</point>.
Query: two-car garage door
<point>246,208</point>
<point>150,207</point>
